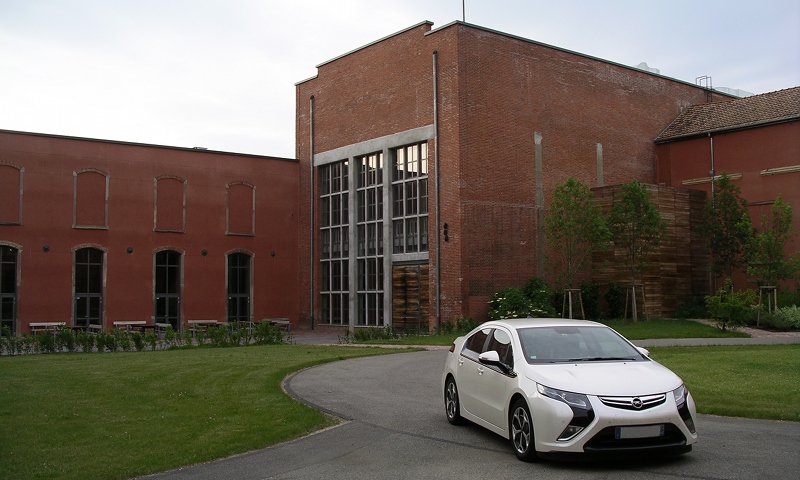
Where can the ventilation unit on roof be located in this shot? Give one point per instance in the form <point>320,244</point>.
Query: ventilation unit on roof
<point>643,66</point>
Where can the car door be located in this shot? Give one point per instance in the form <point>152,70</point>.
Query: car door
<point>493,382</point>
<point>469,370</point>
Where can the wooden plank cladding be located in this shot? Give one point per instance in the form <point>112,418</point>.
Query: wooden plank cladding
<point>678,269</point>
<point>410,297</point>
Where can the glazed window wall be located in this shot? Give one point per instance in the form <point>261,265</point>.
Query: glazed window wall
<point>88,287</point>
<point>410,199</point>
<point>239,287</point>
<point>369,238</point>
<point>335,240</point>
<point>168,288</point>
<point>8,287</point>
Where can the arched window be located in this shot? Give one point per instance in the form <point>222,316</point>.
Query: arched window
<point>11,193</point>
<point>168,288</point>
<point>241,214</point>
<point>90,201</point>
<point>89,287</point>
<point>8,288</point>
<point>239,287</point>
<point>170,204</point>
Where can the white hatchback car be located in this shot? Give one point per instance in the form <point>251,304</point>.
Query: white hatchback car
<point>555,386</point>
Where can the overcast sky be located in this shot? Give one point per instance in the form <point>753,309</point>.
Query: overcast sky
<point>221,74</point>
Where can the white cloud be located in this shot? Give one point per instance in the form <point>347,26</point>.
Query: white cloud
<point>221,74</point>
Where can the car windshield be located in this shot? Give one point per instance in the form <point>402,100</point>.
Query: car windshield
<point>575,344</point>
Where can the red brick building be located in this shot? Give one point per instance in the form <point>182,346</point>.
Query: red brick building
<point>93,232</point>
<point>428,158</point>
<point>755,140</point>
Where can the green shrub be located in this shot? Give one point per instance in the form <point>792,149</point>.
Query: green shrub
<point>268,334</point>
<point>138,341</point>
<point>615,300</point>
<point>782,318</point>
<point>787,298</point>
<point>510,303</point>
<point>590,294</point>
<point>730,308</point>
<point>65,339</point>
<point>538,292</point>
<point>45,342</point>
<point>375,333</point>
<point>85,341</point>
<point>694,307</point>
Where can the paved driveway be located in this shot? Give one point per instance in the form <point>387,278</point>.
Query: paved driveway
<point>397,429</point>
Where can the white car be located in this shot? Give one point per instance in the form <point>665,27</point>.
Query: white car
<point>555,386</point>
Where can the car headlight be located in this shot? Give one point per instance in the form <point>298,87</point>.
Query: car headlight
<point>681,394</point>
<point>582,413</point>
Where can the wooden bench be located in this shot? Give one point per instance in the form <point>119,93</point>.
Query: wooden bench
<point>45,326</point>
<point>279,322</point>
<point>127,324</point>
<point>197,325</point>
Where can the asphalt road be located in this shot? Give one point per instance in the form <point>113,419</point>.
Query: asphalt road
<point>396,429</point>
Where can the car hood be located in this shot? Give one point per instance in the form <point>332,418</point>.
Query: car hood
<point>605,378</point>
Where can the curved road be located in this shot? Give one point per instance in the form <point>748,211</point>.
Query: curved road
<point>397,429</point>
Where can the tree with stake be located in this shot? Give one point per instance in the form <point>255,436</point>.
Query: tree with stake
<point>765,251</point>
<point>727,226</point>
<point>574,228</point>
<point>636,228</point>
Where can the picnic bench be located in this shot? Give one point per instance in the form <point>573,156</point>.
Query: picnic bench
<point>45,326</point>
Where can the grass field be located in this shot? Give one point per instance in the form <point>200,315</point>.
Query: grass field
<point>650,329</point>
<point>755,381</point>
<point>109,416</point>
<point>120,415</point>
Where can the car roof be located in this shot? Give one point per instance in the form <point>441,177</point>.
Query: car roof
<point>542,322</point>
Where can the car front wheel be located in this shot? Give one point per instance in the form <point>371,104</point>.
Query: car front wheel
<point>521,432</point>
<point>451,405</point>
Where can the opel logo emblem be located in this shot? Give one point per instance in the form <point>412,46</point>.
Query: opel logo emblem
<point>637,403</point>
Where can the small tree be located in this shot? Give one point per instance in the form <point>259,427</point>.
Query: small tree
<point>766,256</point>
<point>636,228</point>
<point>574,228</point>
<point>727,226</point>
<point>730,308</point>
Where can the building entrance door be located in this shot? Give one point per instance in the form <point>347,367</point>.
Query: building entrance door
<point>410,298</point>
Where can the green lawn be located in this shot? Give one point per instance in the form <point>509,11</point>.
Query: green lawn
<point>653,328</point>
<point>120,415</point>
<point>754,381</point>
<point>84,416</point>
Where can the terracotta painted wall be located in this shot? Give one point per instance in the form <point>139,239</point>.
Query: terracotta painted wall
<point>745,152</point>
<point>45,283</point>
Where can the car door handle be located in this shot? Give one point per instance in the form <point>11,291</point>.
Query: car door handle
<point>460,362</point>
<point>480,370</point>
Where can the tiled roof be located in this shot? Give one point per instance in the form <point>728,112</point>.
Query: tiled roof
<point>783,105</point>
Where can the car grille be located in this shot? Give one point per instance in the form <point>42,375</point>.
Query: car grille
<point>606,441</point>
<point>634,403</point>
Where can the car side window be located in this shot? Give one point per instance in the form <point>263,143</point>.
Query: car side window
<point>477,341</point>
<point>500,342</point>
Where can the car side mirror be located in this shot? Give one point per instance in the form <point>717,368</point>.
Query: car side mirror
<point>489,358</point>
<point>643,351</point>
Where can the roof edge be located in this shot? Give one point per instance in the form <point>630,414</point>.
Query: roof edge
<point>150,145</point>
<point>546,45</point>
<point>734,128</point>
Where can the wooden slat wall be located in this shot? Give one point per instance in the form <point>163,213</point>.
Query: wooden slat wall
<point>679,267</point>
<point>410,297</point>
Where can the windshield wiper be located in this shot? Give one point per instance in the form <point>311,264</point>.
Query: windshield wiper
<point>594,359</point>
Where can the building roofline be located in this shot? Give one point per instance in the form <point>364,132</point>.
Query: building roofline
<point>412,27</point>
<point>716,131</point>
<point>546,45</point>
<point>149,145</point>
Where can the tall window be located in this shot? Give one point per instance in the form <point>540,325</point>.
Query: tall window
<point>168,288</point>
<point>88,287</point>
<point>90,199</point>
<point>410,199</point>
<point>8,287</point>
<point>369,239</point>
<point>239,287</point>
<point>335,235</point>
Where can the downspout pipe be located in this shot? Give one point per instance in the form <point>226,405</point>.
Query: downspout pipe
<point>712,173</point>
<point>311,212</point>
<point>436,195</point>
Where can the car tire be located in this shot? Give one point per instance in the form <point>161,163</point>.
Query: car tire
<point>520,428</point>
<point>452,407</point>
